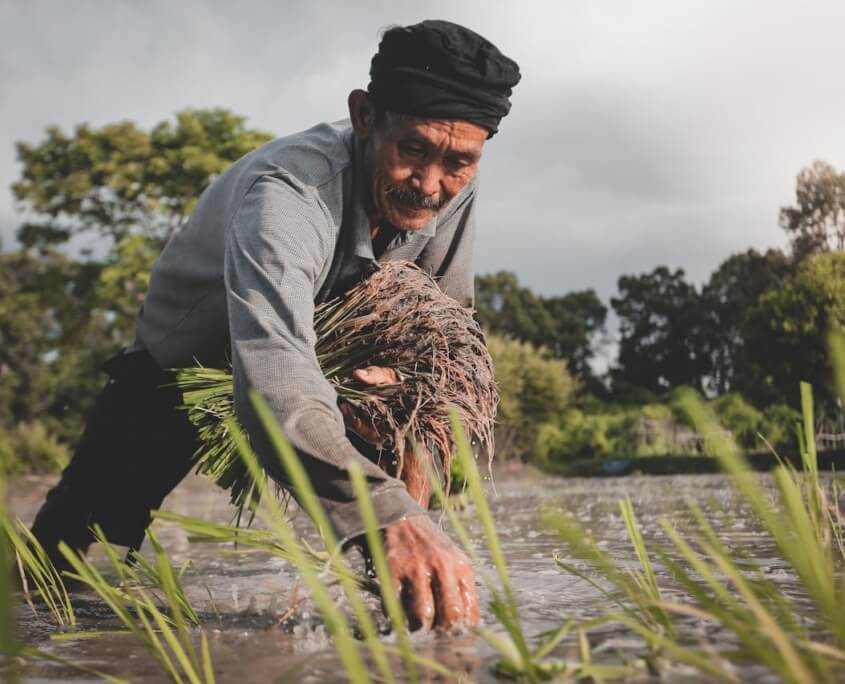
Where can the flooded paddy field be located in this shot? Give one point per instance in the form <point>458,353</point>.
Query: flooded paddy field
<point>262,626</point>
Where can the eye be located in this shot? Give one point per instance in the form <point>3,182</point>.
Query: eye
<point>412,149</point>
<point>458,162</point>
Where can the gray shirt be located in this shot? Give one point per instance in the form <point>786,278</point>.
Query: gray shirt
<point>283,228</point>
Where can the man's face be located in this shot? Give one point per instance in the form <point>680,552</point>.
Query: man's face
<point>415,166</point>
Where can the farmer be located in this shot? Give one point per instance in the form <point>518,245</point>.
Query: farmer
<point>298,222</point>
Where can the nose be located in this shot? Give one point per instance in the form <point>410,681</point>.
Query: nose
<point>427,179</point>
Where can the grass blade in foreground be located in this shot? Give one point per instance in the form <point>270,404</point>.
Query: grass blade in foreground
<point>309,501</point>
<point>729,588</point>
<point>271,513</point>
<point>35,566</point>
<point>135,606</point>
<point>517,660</point>
<point>9,649</point>
<point>388,590</point>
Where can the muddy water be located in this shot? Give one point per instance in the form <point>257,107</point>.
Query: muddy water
<point>262,630</point>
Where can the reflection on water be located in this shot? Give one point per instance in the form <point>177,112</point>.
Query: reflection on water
<point>262,628</point>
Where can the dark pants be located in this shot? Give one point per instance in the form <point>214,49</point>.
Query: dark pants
<point>136,447</point>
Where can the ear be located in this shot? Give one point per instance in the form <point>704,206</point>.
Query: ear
<point>361,113</point>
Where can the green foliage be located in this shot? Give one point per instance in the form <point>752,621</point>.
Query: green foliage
<point>798,638</point>
<point>579,435</point>
<point>749,426</point>
<point>612,433</point>
<point>741,418</point>
<point>31,448</point>
<point>662,341</point>
<point>54,338</point>
<point>60,319</point>
<point>566,325</point>
<point>123,283</point>
<point>533,389</point>
<point>787,327</point>
<point>733,290</point>
<point>817,221</point>
<point>118,179</point>
<point>608,431</point>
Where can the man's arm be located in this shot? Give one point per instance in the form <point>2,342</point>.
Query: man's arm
<point>276,248</point>
<point>277,245</point>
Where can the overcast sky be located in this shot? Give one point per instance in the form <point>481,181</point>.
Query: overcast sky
<point>643,133</point>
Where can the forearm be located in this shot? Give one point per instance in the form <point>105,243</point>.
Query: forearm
<point>276,249</point>
<point>320,442</point>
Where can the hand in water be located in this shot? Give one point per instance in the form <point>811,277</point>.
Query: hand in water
<point>433,577</point>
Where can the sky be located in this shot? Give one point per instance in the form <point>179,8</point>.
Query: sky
<point>642,133</point>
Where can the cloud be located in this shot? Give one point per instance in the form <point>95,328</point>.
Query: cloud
<point>642,133</point>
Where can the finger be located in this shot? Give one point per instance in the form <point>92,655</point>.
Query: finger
<point>449,607</point>
<point>419,602</point>
<point>356,423</point>
<point>376,375</point>
<point>469,597</point>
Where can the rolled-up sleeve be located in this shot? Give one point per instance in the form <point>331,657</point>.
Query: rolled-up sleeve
<point>278,243</point>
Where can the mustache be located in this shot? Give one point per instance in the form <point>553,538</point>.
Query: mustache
<point>414,198</point>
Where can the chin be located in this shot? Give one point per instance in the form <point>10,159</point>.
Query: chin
<point>411,221</point>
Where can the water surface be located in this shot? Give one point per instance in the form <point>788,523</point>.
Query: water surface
<point>262,627</point>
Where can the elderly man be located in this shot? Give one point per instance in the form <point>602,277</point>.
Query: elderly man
<point>292,224</point>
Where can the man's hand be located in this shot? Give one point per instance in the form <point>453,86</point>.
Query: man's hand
<point>377,376</point>
<point>414,472</point>
<point>433,577</point>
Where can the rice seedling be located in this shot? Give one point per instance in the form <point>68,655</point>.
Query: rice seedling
<point>307,498</point>
<point>517,659</point>
<point>799,640</point>
<point>400,319</point>
<point>38,577</point>
<point>249,539</point>
<point>390,597</point>
<point>9,648</point>
<point>35,564</point>
<point>165,633</point>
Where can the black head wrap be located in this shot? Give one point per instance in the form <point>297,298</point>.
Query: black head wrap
<point>440,70</point>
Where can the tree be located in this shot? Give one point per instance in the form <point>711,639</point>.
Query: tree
<point>733,289</point>
<point>534,389</point>
<point>504,307</point>
<point>661,337</point>
<point>817,221</point>
<point>123,283</point>
<point>54,338</point>
<point>118,179</point>
<point>786,332</point>
<point>566,326</point>
<point>579,318</point>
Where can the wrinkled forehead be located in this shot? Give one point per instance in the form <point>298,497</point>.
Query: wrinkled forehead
<point>456,134</point>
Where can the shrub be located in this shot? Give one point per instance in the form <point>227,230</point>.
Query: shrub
<point>30,448</point>
<point>740,418</point>
<point>778,425</point>
<point>534,389</point>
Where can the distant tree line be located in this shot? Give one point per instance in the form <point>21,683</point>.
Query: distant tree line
<point>757,327</point>
<point>112,196</point>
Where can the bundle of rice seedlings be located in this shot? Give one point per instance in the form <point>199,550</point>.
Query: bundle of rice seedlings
<point>400,319</point>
